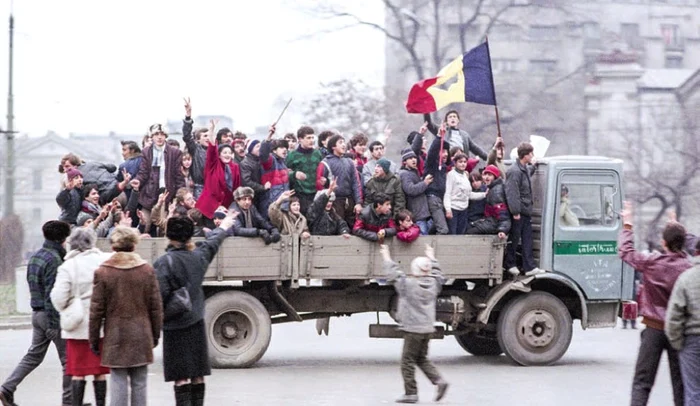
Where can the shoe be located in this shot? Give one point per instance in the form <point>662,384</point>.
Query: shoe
<point>6,400</point>
<point>441,390</point>
<point>514,271</point>
<point>535,271</point>
<point>407,399</point>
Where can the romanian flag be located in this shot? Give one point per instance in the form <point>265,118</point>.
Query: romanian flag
<point>473,82</point>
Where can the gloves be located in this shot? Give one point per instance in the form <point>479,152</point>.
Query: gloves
<point>51,333</point>
<point>275,237</point>
<point>95,348</point>
<point>265,235</point>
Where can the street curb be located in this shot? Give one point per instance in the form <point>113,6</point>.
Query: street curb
<point>22,322</point>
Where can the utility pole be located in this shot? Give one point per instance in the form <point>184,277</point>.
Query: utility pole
<point>10,131</point>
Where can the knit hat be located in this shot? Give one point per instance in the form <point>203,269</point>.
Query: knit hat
<point>471,164</point>
<point>243,191</point>
<point>180,229</point>
<point>385,164</point>
<point>493,170</point>
<point>56,231</point>
<point>421,266</point>
<point>331,198</point>
<point>407,154</point>
<point>412,136</point>
<point>252,145</point>
<point>73,173</point>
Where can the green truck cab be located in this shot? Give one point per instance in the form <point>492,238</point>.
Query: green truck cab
<point>250,286</point>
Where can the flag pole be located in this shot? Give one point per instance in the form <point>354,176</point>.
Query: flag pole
<point>493,89</point>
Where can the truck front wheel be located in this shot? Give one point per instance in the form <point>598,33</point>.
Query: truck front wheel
<point>238,329</point>
<point>535,329</point>
<point>479,345</point>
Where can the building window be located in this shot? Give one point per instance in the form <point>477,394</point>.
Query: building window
<point>674,62</point>
<point>544,32</point>
<point>37,178</point>
<point>543,65</point>
<point>504,65</point>
<point>671,35</point>
<point>630,34</point>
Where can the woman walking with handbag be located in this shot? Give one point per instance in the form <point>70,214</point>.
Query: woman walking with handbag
<point>185,352</point>
<point>71,295</point>
<point>125,300</point>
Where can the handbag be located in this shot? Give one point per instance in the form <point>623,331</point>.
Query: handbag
<point>72,316</point>
<point>179,301</point>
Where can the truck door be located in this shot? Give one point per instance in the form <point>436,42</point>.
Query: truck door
<point>586,228</point>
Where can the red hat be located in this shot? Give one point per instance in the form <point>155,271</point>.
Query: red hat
<point>72,173</point>
<point>471,164</point>
<point>493,170</point>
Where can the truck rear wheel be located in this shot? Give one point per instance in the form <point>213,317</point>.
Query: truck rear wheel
<point>535,329</point>
<point>238,329</point>
<point>479,345</point>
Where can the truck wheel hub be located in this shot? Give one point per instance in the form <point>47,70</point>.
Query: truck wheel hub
<point>537,328</point>
<point>229,330</point>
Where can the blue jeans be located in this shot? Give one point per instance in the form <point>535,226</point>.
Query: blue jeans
<point>424,226</point>
<point>520,233</point>
<point>689,357</point>
<point>459,222</point>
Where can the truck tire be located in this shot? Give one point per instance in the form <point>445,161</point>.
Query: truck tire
<point>535,329</point>
<point>479,345</point>
<point>238,329</point>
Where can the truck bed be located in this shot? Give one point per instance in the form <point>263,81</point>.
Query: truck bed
<point>334,257</point>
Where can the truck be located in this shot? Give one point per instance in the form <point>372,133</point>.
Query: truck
<point>250,286</point>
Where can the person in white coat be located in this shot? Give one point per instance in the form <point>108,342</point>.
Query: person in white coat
<point>71,295</point>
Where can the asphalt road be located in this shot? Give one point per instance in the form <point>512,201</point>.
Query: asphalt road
<point>349,368</point>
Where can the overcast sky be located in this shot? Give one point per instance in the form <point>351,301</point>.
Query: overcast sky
<point>88,66</point>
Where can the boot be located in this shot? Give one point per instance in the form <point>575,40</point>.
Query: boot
<point>183,395</point>
<point>78,392</point>
<point>100,388</point>
<point>198,394</point>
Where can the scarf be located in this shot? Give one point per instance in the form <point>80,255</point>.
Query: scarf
<point>90,208</point>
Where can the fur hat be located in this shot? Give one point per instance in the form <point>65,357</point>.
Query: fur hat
<point>251,146</point>
<point>56,231</point>
<point>73,173</point>
<point>157,128</point>
<point>493,170</point>
<point>407,154</point>
<point>180,229</point>
<point>243,191</point>
<point>385,164</point>
<point>421,266</point>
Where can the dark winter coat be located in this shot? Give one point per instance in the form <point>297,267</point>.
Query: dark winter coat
<point>454,137</point>
<point>519,189</point>
<point>149,178</point>
<point>188,269</point>
<point>432,167</point>
<point>414,189</point>
<point>273,170</point>
<point>322,222</point>
<point>196,151</point>
<point>250,176</point>
<point>389,185</point>
<point>259,223</point>
<point>102,175</point>
<point>496,206</point>
<point>476,208</point>
<point>69,200</point>
<point>126,302</point>
<point>369,223</point>
<point>216,192</point>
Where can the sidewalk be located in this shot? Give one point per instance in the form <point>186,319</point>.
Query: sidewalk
<point>15,322</point>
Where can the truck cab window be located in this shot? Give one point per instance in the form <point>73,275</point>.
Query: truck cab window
<point>585,205</point>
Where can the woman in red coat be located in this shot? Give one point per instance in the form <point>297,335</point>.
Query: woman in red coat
<point>221,177</point>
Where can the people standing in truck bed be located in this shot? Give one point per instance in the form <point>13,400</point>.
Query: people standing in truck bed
<point>321,216</point>
<point>496,216</point>
<point>288,220</point>
<point>375,222</point>
<point>248,221</point>
<point>414,189</point>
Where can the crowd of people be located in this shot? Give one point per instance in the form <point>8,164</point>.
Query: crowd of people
<point>306,184</point>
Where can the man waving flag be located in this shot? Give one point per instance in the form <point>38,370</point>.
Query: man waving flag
<point>474,83</point>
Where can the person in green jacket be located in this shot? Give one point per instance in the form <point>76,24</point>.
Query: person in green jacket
<point>302,163</point>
